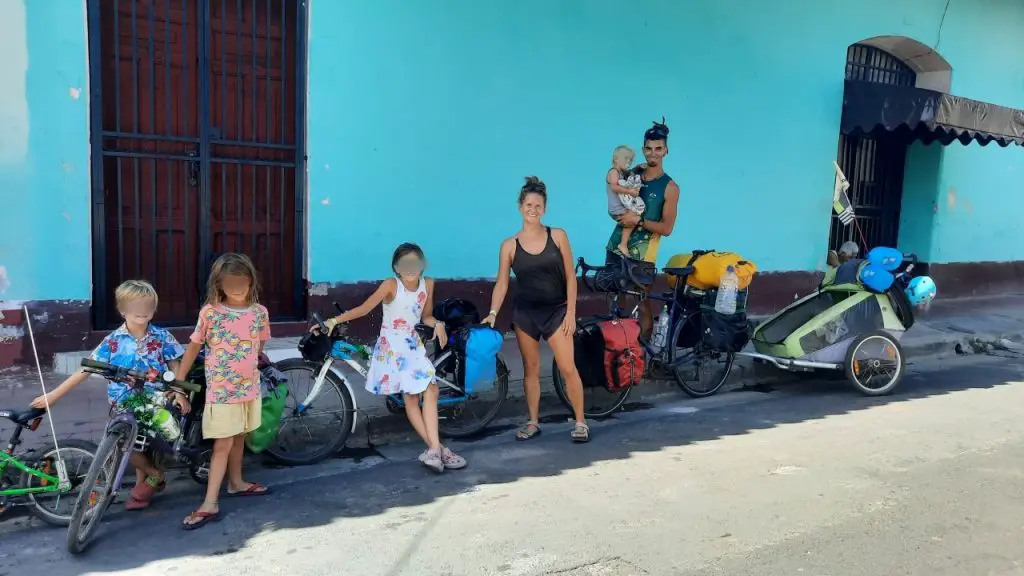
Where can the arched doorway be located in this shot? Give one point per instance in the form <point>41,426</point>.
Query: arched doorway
<point>873,165</point>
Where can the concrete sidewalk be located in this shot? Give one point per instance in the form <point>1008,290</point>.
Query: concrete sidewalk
<point>947,326</point>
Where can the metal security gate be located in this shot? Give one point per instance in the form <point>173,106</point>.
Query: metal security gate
<point>874,165</point>
<point>197,118</point>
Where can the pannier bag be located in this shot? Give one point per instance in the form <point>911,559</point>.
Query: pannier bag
<point>588,344</point>
<point>709,268</point>
<point>481,366</point>
<point>724,332</point>
<point>623,356</point>
<point>274,394</point>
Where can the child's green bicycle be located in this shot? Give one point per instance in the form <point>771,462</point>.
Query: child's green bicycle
<point>46,479</point>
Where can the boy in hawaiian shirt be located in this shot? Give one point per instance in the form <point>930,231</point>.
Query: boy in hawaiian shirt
<point>136,345</point>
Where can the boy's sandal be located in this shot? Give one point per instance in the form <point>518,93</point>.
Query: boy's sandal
<point>254,489</point>
<point>142,494</point>
<point>528,431</point>
<point>581,433</point>
<point>199,519</point>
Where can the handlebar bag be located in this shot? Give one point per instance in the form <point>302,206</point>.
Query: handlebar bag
<point>623,356</point>
<point>456,313</point>
<point>480,358</point>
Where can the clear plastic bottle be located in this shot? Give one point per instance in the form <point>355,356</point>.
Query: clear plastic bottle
<point>165,424</point>
<point>660,329</point>
<point>725,302</point>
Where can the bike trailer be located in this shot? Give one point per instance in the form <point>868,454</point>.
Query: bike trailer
<point>708,269</point>
<point>480,368</point>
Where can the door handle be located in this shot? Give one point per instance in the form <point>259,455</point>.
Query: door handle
<point>193,168</point>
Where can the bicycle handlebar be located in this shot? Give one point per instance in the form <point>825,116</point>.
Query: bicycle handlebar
<point>112,372</point>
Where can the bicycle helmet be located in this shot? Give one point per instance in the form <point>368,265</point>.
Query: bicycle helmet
<point>921,290</point>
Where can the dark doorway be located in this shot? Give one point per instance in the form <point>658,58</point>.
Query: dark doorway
<point>873,165</point>
<point>197,147</point>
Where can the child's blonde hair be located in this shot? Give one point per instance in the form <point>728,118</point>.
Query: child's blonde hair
<point>132,290</point>
<point>623,151</point>
<point>234,265</point>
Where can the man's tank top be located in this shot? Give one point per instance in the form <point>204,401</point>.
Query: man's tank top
<point>540,278</point>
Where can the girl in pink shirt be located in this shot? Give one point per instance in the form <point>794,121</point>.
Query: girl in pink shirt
<point>234,327</point>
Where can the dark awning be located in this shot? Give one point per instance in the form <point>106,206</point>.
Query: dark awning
<point>926,115</point>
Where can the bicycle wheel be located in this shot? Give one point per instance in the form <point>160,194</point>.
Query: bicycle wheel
<point>598,402</point>
<point>93,500</point>
<point>54,507</point>
<point>322,428</point>
<point>699,372</point>
<point>451,410</point>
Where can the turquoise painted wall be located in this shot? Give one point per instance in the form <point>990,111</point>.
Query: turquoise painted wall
<point>44,150</point>
<point>442,107</point>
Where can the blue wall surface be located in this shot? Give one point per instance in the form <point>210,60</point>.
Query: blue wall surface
<point>442,107</point>
<point>44,150</point>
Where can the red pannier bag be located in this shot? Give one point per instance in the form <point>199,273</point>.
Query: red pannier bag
<point>623,356</point>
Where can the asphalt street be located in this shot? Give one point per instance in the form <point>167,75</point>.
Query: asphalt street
<point>806,478</point>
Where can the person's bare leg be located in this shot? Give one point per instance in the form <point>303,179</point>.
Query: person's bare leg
<point>430,418</point>
<point>563,349</point>
<point>627,231</point>
<point>218,469</point>
<point>529,349</point>
<point>415,416</point>
<point>143,467</point>
<point>647,317</point>
<point>236,483</point>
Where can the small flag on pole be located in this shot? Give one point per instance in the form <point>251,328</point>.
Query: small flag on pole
<point>840,201</point>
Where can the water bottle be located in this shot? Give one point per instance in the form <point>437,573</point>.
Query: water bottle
<point>660,329</point>
<point>165,425</point>
<point>725,302</point>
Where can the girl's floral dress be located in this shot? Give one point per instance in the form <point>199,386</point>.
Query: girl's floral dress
<point>399,363</point>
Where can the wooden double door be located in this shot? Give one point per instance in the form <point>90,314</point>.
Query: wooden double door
<point>197,109</point>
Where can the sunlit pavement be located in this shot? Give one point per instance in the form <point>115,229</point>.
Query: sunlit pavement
<point>803,479</point>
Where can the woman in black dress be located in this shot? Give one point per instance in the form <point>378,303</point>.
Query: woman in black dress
<point>545,304</point>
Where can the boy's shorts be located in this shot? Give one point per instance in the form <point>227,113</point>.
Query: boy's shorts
<point>227,420</point>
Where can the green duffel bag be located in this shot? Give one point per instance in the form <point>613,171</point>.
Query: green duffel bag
<point>270,420</point>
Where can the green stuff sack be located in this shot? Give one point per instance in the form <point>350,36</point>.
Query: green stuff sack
<point>270,420</point>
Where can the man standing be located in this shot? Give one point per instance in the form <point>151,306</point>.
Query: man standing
<point>661,195</point>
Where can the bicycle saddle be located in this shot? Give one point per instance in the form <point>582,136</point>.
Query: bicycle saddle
<point>22,417</point>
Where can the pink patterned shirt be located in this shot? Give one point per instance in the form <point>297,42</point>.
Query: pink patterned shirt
<point>233,338</point>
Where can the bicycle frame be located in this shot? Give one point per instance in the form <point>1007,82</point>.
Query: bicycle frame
<point>54,484</point>
<point>676,311</point>
<point>129,419</point>
<point>345,352</point>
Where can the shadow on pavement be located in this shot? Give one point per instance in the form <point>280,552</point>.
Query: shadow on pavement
<point>402,482</point>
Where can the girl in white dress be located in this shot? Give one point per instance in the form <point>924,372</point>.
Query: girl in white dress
<point>399,364</point>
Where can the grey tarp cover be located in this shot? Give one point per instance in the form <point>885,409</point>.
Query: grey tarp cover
<point>927,115</point>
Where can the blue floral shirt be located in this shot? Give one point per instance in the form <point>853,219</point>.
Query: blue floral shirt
<point>120,348</point>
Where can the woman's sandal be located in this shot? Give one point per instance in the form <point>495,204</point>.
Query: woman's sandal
<point>254,489</point>
<point>199,519</point>
<point>581,433</point>
<point>528,432</point>
<point>142,494</point>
